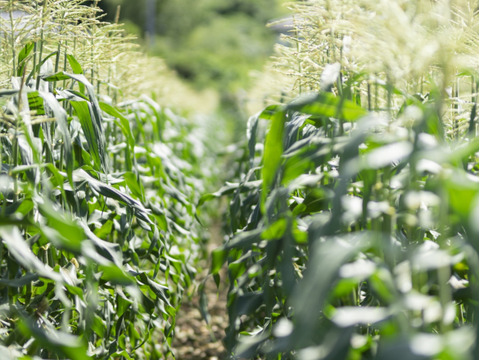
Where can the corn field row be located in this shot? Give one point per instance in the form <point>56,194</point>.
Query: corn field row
<point>353,220</point>
<point>352,223</point>
<point>98,190</point>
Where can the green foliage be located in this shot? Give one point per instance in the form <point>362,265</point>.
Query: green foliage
<point>225,49</point>
<point>98,239</point>
<point>352,228</point>
<point>350,242</point>
<point>210,43</point>
<point>353,218</point>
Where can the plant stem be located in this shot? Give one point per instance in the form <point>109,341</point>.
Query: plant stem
<point>12,39</point>
<point>41,44</point>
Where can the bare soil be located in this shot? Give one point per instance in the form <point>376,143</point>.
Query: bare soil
<point>194,338</point>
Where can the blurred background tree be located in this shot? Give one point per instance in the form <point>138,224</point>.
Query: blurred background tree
<point>210,43</point>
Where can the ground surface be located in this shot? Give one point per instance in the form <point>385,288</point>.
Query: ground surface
<point>195,339</point>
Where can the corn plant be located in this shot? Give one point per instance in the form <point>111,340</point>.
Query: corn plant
<point>353,222</point>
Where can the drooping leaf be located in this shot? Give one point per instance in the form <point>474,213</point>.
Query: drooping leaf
<point>8,92</point>
<point>349,316</point>
<point>388,154</point>
<point>82,109</point>
<point>135,187</point>
<point>59,342</point>
<point>61,119</point>
<point>327,105</point>
<point>124,123</point>
<point>111,192</point>
<point>90,116</point>
<point>22,253</point>
<point>218,259</point>
<point>115,275</point>
<point>68,234</point>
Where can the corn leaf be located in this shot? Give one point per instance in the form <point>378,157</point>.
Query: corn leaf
<point>327,105</point>
<point>82,109</point>
<point>273,153</point>
<point>23,57</point>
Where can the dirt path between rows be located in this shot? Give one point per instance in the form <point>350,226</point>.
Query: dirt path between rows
<point>194,338</point>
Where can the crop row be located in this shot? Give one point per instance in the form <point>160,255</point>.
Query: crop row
<point>98,238</point>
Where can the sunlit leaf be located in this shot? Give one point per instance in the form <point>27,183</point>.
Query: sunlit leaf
<point>350,316</point>
<point>23,57</point>
<point>22,253</point>
<point>273,153</point>
<point>327,105</point>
